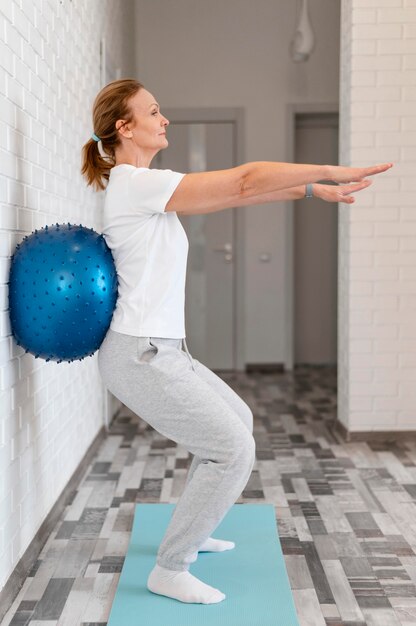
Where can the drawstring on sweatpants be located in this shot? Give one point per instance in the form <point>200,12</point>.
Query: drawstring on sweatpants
<point>187,352</point>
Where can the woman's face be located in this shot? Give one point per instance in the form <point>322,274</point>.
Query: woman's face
<point>149,130</point>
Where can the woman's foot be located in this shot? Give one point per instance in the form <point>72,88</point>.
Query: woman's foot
<point>182,586</point>
<point>216,545</point>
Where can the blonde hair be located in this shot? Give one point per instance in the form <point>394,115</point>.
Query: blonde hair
<point>111,104</point>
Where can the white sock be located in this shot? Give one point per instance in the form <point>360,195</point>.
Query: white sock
<point>182,586</point>
<point>216,545</point>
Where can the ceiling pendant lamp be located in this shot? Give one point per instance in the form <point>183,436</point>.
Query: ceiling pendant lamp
<point>303,40</point>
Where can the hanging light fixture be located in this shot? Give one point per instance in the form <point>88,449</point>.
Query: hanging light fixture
<point>303,40</point>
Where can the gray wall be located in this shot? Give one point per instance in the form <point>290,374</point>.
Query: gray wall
<point>235,53</point>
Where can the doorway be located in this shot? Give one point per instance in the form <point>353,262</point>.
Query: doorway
<point>312,236</point>
<point>206,141</point>
<point>315,248</point>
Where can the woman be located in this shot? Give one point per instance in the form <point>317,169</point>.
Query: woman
<point>141,359</point>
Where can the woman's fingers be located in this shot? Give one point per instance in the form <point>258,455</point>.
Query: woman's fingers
<point>342,174</point>
<point>377,169</point>
<point>346,189</point>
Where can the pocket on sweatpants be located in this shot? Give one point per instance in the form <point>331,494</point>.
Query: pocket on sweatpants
<point>146,350</point>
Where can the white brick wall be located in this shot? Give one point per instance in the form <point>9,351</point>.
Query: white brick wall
<point>377,236</point>
<point>49,76</point>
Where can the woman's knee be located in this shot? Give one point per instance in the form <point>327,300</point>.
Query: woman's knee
<point>248,418</point>
<point>243,450</point>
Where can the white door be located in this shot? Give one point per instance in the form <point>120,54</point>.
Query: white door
<point>210,282</point>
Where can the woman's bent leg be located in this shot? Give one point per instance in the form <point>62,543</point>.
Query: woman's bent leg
<point>237,404</point>
<point>155,379</point>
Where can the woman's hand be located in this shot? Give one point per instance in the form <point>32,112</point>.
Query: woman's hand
<point>340,174</point>
<point>339,193</point>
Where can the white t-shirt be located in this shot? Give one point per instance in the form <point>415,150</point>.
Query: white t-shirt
<point>150,250</point>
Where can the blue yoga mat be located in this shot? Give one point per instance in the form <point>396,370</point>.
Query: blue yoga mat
<point>253,575</point>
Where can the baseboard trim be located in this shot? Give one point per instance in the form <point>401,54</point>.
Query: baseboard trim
<point>17,578</point>
<point>264,368</point>
<point>387,436</point>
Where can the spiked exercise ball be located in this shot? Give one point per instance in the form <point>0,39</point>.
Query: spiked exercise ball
<point>62,292</point>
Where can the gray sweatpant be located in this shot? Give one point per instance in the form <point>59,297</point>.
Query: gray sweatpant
<point>189,404</point>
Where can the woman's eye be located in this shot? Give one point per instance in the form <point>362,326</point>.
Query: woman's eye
<point>154,112</point>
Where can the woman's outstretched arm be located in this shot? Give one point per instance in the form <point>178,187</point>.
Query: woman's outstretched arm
<point>329,193</point>
<point>206,192</point>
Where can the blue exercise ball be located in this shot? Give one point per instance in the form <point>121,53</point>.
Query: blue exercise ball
<point>62,292</point>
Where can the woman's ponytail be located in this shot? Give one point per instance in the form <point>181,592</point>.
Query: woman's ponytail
<point>94,167</point>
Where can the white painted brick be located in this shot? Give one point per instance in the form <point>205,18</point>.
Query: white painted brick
<point>384,62</point>
<point>407,330</point>
<point>386,93</point>
<point>388,109</point>
<point>407,359</point>
<point>362,259</point>
<point>377,214</point>
<point>395,46</point>
<point>363,139</point>
<point>409,62</point>
<point>374,273</point>
<point>377,31</point>
<point>408,153</point>
<point>362,157</point>
<point>14,141</point>
<point>361,288</point>
<point>385,403</point>
<point>387,288</point>
<point>409,123</point>
<point>360,124</point>
<point>375,303</point>
<point>377,333</point>
<point>390,316</point>
<point>362,109</point>
<point>407,77</point>
<point>6,58</point>
<point>377,389</point>
<point>30,103</point>
<point>394,374</point>
<point>399,15</point>
<point>14,91</point>
<point>409,90</point>
<point>386,420</point>
<point>361,403</point>
<point>402,230</point>
<point>12,39</point>
<point>406,243</point>
<point>25,219</point>
<point>395,259</point>
<point>363,46</point>
<point>364,78</point>
<point>407,418</point>
<point>363,16</point>
<point>362,229</point>
<point>378,3</point>
<point>36,87</point>
<point>362,346</point>
<point>376,243</point>
<point>16,195</point>
<point>21,22</point>
<point>36,41</point>
<point>361,375</point>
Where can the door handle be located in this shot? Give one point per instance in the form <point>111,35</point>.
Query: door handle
<point>227,247</point>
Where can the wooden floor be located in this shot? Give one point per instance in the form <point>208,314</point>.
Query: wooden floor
<point>346,512</point>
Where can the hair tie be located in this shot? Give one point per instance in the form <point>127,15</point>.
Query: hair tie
<point>95,137</point>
